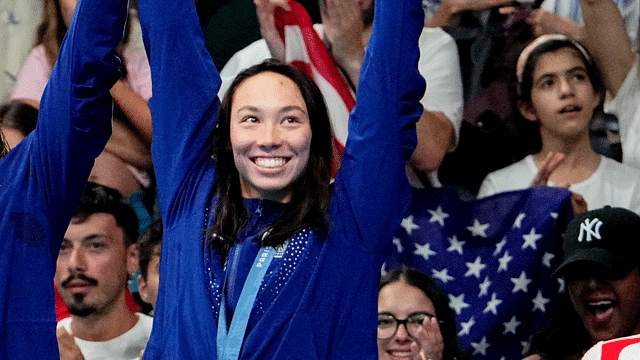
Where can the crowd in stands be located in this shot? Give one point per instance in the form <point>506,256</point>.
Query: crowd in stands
<point>174,188</point>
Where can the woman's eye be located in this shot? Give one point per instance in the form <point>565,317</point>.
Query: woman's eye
<point>290,120</point>
<point>547,83</point>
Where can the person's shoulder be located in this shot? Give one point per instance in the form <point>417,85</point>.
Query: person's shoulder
<point>620,171</point>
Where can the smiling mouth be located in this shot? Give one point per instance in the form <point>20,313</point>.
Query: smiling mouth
<point>270,162</point>
<point>400,353</point>
<point>570,108</point>
<point>600,307</point>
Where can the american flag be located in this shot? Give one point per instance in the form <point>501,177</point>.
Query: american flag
<point>493,257</point>
<point>305,50</point>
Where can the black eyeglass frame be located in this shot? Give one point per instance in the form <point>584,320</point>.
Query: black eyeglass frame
<point>398,322</point>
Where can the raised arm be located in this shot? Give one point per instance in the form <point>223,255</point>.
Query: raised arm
<point>607,40</point>
<point>185,84</point>
<point>41,180</point>
<point>372,185</point>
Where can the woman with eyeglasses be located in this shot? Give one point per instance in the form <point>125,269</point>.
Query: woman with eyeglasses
<point>414,319</point>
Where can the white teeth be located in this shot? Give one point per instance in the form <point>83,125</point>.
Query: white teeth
<point>270,162</point>
<point>601,303</point>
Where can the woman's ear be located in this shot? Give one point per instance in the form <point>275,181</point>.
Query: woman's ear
<point>527,111</point>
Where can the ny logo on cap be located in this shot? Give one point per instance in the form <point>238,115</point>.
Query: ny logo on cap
<point>587,227</point>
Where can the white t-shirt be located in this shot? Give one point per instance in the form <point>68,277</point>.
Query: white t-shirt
<point>124,347</point>
<point>612,183</point>
<point>626,107</point>
<point>626,348</point>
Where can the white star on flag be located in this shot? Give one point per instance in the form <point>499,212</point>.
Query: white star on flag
<point>398,245</point>
<point>475,268</point>
<point>492,305</point>
<point>499,246</point>
<point>518,222</point>
<point>546,259</point>
<point>504,261</point>
<point>520,283</point>
<point>530,239</point>
<point>511,325</point>
<point>455,245</point>
<point>540,302</point>
<point>484,287</point>
<point>457,303</point>
<point>466,327</point>
<point>561,283</point>
<point>481,347</point>
<point>478,229</point>
<point>424,250</point>
<point>408,224</point>
<point>438,216</point>
<point>442,275</point>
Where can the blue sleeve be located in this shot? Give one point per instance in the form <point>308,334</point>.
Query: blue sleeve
<point>42,179</point>
<point>184,104</point>
<point>371,192</point>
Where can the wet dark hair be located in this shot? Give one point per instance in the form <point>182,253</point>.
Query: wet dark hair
<point>150,239</point>
<point>19,116</point>
<point>101,199</point>
<point>530,130</point>
<point>311,192</point>
<point>440,300</point>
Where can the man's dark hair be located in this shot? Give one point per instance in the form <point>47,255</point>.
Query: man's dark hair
<point>101,199</point>
<point>149,242</point>
<point>311,192</point>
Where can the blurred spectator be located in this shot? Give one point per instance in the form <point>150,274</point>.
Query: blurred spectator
<point>612,50</point>
<point>410,298</point>
<point>149,246</point>
<point>559,89</point>
<point>132,126</point>
<point>97,256</point>
<point>601,272</point>
<point>18,22</point>
<point>231,25</point>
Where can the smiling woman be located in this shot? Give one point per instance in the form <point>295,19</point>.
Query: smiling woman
<point>289,265</point>
<point>412,299</point>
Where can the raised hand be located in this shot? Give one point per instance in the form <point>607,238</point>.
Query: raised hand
<point>344,30</point>
<point>429,340</point>
<point>265,10</point>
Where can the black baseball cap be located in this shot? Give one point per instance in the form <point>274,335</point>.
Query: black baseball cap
<point>608,236</point>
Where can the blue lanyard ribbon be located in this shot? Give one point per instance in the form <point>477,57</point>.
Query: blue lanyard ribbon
<point>229,343</point>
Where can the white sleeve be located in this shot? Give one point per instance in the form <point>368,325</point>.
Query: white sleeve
<point>439,64</point>
<point>625,106</point>
<point>253,54</point>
